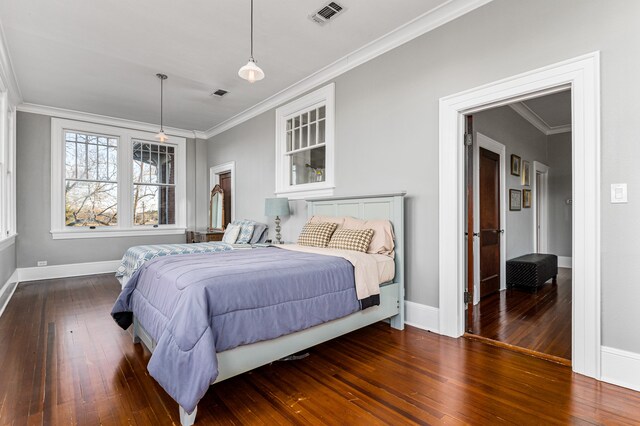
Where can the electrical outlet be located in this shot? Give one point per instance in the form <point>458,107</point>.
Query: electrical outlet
<point>42,263</point>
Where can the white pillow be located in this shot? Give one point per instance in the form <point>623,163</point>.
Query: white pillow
<point>231,234</point>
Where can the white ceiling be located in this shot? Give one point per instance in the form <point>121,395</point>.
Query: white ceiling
<point>102,56</point>
<point>554,109</point>
<point>550,114</point>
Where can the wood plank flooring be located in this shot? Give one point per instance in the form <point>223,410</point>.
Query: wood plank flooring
<point>64,361</point>
<point>539,321</point>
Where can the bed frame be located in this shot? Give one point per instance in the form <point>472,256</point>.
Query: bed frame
<point>245,358</point>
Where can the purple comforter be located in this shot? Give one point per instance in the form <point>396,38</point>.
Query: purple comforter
<point>198,304</point>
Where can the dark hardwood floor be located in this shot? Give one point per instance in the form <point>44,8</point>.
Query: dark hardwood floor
<point>539,321</point>
<point>64,361</point>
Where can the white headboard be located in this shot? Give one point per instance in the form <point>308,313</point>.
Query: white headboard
<point>378,206</point>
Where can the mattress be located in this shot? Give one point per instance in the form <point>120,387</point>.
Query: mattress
<point>386,267</point>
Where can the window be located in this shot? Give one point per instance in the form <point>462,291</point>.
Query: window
<point>154,186</point>
<point>7,171</point>
<point>109,181</point>
<point>305,145</point>
<point>91,184</point>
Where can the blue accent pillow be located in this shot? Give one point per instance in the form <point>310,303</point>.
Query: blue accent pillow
<point>246,231</point>
<point>259,230</point>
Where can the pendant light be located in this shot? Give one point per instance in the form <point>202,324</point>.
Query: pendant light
<point>251,72</point>
<point>161,136</point>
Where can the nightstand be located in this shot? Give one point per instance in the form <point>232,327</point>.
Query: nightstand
<point>204,236</point>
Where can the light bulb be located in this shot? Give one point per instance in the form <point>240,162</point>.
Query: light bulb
<point>161,136</point>
<point>251,72</point>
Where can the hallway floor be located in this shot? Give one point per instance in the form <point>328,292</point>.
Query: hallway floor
<point>539,321</point>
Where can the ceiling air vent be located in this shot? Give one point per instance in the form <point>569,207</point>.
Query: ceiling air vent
<point>327,13</point>
<point>219,93</point>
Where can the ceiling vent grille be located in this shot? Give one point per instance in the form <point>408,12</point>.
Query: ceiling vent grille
<point>219,93</point>
<point>327,13</point>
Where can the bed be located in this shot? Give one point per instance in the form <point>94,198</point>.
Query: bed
<point>136,256</point>
<point>244,357</point>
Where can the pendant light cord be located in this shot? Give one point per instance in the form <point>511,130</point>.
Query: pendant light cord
<point>252,30</point>
<point>161,102</point>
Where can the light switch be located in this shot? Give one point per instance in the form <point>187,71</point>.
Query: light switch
<point>618,192</point>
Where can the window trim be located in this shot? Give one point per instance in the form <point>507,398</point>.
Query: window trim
<point>125,226</point>
<point>8,228</point>
<point>325,95</point>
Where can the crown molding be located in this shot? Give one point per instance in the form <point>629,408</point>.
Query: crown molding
<point>106,120</point>
<point>559,129</point>
<point>533,118</point>
<point>8,77</point>
<point>403,34</point>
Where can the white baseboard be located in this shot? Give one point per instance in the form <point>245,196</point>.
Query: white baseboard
<point>422,316</point>
<point>564,262</point>
<point>63,271</point>
<point>8,289</point>
<point>620,367</point>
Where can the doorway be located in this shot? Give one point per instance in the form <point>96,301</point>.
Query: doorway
<point>532,313</point>
<point>540,206</point>
<point>581,75</point>
<point>225,184</point>
<point>225,176</point>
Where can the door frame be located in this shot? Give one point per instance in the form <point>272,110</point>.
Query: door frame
<point>541,246</point>
<point>496,147</point>
<point>582,76</point>
<point>214,178</point>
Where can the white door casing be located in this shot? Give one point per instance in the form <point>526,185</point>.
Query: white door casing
<point>540,207</point>
<point>582,76</point>
<point>486,142</point>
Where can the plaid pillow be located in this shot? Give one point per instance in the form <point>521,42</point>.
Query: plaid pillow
<point>316,234</point>
<point>246,231</point>
<point>351,239</point>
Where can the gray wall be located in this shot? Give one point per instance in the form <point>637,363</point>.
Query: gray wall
<point>519,137</point>
<point>560,220</point>
<point>197,184</point>
<point>201,190</point>
<point>387,128</point>
<point>7,264</point>
<point>34,240</point>
<point>251,146</point>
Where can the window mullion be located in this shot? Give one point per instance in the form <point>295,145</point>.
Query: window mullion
<point>309,148</point>
<point>125,181</point>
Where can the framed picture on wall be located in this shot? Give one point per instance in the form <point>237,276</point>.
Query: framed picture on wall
<point>526,198</point>
<point>515,165</point>
<point>515,199</point>
<point>526,173</point>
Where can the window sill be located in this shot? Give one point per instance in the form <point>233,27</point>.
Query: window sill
<point>301,194</point>
<point>108,233</point>
<point>6,242</point>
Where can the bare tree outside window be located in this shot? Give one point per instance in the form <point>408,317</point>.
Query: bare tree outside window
<point>153,184</point>
<point>91,187</point>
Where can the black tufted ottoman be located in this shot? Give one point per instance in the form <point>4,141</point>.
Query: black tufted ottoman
<point>532,270</point>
